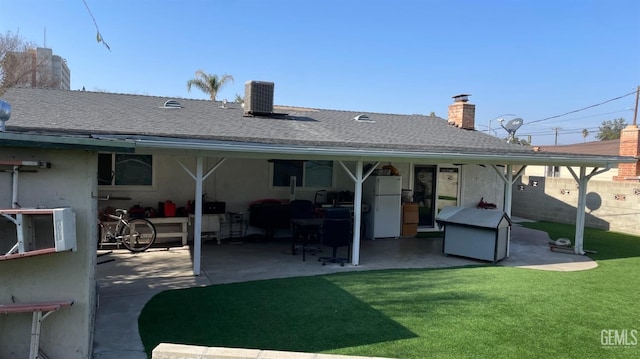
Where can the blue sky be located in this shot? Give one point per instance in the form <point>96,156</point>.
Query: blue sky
<point>532,59</point>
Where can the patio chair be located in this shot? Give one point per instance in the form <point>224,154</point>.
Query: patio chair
<point>303,209</point>
<point>336,233</point>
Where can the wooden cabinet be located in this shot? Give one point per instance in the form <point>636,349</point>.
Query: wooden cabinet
<point>410,219</point>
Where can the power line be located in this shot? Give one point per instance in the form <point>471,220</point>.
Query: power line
<point>584,108</point>
<point>565,132</point>
<point>591,116</point>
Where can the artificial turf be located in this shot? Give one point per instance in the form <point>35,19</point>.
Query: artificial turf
<point>477,311</point>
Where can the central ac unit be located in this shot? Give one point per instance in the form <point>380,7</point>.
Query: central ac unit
<point>258,97</point>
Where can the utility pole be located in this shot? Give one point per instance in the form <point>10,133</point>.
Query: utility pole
<point>556,129</point>
<point>635,113</point>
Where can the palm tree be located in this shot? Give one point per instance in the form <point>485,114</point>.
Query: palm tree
<point>585,133</point>
<point>208,83</point>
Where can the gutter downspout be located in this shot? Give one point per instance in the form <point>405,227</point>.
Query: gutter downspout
<point>358,179</point>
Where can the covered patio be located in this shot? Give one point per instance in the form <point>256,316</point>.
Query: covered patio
<point>127,281</point>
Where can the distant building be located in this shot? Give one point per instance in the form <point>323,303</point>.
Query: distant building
<point>37,68</point>
<point>602,148</point>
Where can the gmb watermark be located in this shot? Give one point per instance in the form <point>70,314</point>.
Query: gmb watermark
<point>619,338</point>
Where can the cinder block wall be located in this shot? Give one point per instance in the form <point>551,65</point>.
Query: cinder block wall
<point>613,206</point>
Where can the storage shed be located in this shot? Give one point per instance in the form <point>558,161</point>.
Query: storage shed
<point>475,233</point>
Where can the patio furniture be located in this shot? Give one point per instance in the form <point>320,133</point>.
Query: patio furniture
<point>171,227</point>
<point>269,215</point>
<point>210,225</point>
<point>304,232</point>
<point>336,232</point>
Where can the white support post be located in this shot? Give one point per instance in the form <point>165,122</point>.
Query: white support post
<point>580,215</point>
<point>36,324</point>
<point>199,178</point>
<point>508,190</point>
<point>14,187</point>
<point>582,181</point>
<point>509,179</point>
<point>197,223</point>
<point>357,215</point>
<point>358,179</point>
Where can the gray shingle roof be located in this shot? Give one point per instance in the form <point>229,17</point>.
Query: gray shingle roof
<point>83,112</point>
<point>607,148</point>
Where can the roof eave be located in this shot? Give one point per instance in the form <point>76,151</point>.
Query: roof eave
<point>259,150</point>
<point>8,139</point>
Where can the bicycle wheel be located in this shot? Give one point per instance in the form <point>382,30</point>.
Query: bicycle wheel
<point>138,234</point>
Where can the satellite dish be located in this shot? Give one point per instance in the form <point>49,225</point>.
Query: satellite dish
<point>513,125</point>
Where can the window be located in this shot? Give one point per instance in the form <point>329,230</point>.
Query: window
<point>315,174</point>
<point>120,169</point>
<point>553,171</point>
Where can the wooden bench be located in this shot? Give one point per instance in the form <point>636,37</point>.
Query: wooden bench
<point>40,311</point>
<point>171,227</point>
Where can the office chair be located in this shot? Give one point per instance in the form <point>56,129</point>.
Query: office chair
<point>303,209</point>
<point>336,233</point>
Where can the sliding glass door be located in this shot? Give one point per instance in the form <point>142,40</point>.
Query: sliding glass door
<point>424,178</point>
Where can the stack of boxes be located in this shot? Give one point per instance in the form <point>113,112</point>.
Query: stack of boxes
<point>409,219</point>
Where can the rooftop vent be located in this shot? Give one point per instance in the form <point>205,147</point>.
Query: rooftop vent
<point>5,113</point>
<point>363,118</point>
<point>258,98</point>
<point>171,104</point>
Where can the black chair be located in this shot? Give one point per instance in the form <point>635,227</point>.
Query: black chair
<point>303,209</point>
<point>336,232</point>
<point>270,216</point>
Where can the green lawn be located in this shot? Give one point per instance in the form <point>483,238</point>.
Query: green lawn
<point>479,311</point>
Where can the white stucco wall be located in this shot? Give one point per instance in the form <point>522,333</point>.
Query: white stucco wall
<point>541,171</point>
<point>479,182</point>
<point>67,275</point>
<point>612,206</point>
<point>238,182</point>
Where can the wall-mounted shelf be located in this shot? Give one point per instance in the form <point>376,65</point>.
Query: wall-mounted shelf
<point>40,164</point>
<point>41,231</point>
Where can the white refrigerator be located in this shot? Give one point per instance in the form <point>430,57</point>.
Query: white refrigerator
<point>383,194</point>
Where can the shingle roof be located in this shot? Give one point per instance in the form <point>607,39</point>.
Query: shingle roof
<point>83,112</point>
<point>603,148</point>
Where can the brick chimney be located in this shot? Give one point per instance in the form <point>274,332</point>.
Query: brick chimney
<point>629,146</point>
<point>462,114</point>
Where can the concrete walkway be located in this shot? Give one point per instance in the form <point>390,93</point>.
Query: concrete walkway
<point>127,281</point>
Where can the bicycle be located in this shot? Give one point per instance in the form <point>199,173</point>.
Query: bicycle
<point>137,234</point>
